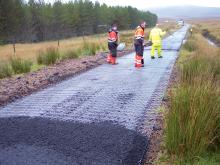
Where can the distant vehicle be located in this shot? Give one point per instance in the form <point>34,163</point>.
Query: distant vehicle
<point>180,22</point>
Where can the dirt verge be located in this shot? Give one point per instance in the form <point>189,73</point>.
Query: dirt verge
<point>16,87</point>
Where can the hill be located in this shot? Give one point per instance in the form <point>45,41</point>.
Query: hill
<point>187,12</point>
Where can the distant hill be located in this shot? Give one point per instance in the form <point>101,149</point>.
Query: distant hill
<point>187,12</point>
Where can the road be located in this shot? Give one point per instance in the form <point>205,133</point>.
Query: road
<point>100,117</point>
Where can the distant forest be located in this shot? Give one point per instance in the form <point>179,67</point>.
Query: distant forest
<point>35,20</point>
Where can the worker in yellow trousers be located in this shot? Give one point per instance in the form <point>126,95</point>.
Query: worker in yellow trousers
<point>156,35</point>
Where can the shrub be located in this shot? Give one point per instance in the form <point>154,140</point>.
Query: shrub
<point>51,56</point>
<point>5,70</point>
<point>20,66</point>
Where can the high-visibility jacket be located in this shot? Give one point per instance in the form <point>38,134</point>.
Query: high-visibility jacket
<point>112,36</point>
<point>139,33</point>
<point>156,36</point>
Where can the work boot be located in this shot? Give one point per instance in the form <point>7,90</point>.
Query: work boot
<point>160,57</point>
<point>138,61</point>
<point>113,61</point>
<point>109,58</point>
<point>135,61</point>
<point>152,57</point>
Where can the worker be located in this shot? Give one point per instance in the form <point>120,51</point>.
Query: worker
<point>139,45</point>
<point>112,44</point>
<point>156,35</point>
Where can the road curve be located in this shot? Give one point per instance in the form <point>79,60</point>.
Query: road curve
<point>101,117</point>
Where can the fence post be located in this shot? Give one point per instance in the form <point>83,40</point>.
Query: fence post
<point>14,48</point>
<point>84,37</point>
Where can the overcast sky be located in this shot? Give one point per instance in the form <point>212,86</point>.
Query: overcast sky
<point>144,4</point>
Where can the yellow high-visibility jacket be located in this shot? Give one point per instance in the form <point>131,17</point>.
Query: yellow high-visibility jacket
<point>156,35</point>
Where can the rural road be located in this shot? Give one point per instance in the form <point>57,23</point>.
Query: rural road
<point>100,117</point>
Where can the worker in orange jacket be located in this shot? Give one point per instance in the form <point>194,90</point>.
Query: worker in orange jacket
<point>112,44</point>
<point>139,45</point>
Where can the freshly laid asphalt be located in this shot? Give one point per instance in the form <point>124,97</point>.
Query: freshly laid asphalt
<point>100,117</point>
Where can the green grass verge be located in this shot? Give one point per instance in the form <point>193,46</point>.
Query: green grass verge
<point>193,120</point>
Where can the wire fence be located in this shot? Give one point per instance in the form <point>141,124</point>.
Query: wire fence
<point>60,38</point>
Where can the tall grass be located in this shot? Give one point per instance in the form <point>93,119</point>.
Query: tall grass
<point>90,48</point>
<point>72,54</point>
<point>50,56</point>
<point>193,122</point>
<point>20,66</point>
<point>5,70</point>
<point>86,49</point>
<point>190,45</point>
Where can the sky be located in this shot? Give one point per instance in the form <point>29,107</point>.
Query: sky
<point>144,4</point>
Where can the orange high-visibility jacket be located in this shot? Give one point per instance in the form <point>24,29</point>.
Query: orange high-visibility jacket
<point>112,36</point>
<point>139,33</point>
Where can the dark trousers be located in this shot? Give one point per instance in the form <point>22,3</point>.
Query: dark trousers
<point>112,46</point>
<point>139,48</point>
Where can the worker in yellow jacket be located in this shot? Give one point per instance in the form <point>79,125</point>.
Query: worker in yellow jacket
<point>156,35</point>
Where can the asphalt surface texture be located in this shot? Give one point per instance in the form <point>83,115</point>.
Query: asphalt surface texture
<point>100,117</point>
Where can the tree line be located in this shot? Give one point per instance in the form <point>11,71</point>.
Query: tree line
<point>36,20</point>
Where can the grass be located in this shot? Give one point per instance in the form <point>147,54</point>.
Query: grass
<point>90,48</point>
<point>209,159</point>
<point>193,121</point>
<point>212,26</point>
<point>190,45</point>
<point>5,70</point>
<point>36,67</point>
<point>71,54</point>
<point>20,66</point>
<point>50,56</point>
